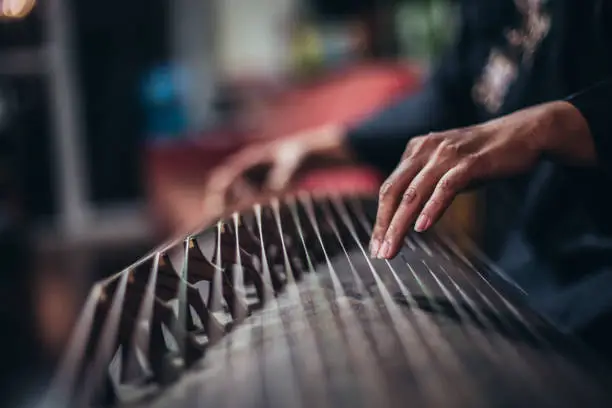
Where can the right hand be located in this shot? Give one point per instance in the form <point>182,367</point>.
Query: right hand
<point>280,161</point>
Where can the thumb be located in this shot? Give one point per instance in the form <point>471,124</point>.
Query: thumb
<point>232,169</point>
<point>288,159</point>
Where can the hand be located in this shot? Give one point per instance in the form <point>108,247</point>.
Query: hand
<point>436,167</point>
<point>279,160</point>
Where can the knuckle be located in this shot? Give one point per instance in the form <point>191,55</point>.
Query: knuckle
<point>385,190</point>
<point>408,150</point>
<point>408,195</point>
<point>447,184</point>
<point>420,180</point>
<point>436,138</point>
<point>417,144</point>
<point>448,149</point>
<point>445,143</point>
<point>432,137</point>
<point>419,140</point>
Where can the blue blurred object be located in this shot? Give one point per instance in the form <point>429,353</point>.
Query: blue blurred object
<point>162,97</point>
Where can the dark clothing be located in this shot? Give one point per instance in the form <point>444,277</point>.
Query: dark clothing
<point>510,55</point>
<point>592,102</point>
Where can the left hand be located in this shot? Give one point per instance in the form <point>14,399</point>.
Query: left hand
<point>436,167</point>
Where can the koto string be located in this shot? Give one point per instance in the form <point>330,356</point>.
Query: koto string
<point>310,360</point>
<point>339,361</point>
<point>370,372</point>
<point>572,380</point>
<point>432,336</point>
<point>408,337</point>
<point>282,393</point>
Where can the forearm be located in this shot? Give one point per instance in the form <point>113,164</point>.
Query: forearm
<point>565,135</point>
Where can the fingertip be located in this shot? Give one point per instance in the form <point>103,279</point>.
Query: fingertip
<point>374,247</point>
<point>423,223</point>
<point>389,249</point>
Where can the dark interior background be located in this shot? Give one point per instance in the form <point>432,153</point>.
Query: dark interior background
<point>114,51</point>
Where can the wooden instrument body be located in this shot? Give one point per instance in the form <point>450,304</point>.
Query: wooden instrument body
<point>281,306</point>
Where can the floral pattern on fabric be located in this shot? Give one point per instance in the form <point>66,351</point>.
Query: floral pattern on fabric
<point>502,67</point>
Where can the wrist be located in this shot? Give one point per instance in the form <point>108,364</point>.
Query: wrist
<point>565,134</point>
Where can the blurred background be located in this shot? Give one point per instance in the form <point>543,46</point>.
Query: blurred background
<point>113,113</point>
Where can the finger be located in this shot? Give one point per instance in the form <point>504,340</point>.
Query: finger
<point>218,201</point>
<point>226,190</point>
<point>221,182</point>
<point>448,187</point>
<point>417,144</point>
<point>236,167</point>
<point>388,200</point>
<point>281,174</point>
<point>240,191</point>
<point>287,158</point>
<point>413,200</point>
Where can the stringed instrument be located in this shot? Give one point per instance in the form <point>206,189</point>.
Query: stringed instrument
<point>281,306</point>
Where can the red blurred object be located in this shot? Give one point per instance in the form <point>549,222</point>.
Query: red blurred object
<point>177,171</point>
<point>357,180</point>
<point>345,96</point>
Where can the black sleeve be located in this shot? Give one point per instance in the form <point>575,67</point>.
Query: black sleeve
<point>595,104</point>
<point>443,103</point>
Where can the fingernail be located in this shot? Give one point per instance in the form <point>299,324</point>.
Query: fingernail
<point>384,251</point>
<point>422,223</point>
<point>374,248</point>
